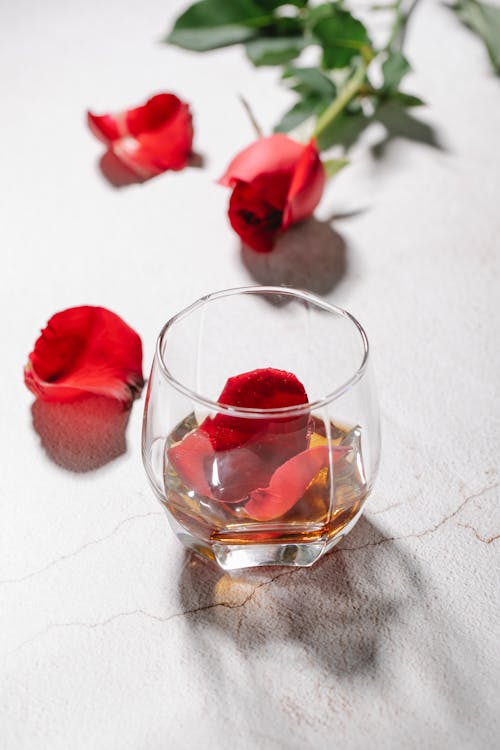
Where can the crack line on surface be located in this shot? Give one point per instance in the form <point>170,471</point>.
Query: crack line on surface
<point>77,551</point>
<point>149,615</point>
<point>418,535</point>
<point>484,539</point>
<point>384,510</point>
<point>250,596</point>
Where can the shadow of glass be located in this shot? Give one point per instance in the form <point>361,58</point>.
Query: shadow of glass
<point>336,611</point>
<point>81,435</point>
<point>310,256</point>
<point>363,616</point>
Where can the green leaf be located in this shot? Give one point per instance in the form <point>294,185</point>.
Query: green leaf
<point>406,100</point>
<point>332,166</point>
<point>310,80</point>
<point>343,131</point>
<point>310,106</point>
<point>273,4</point>
<point>325,10</point>
<point>342,38</point>
<point>395,67</point>
<point>209,24</point>
<point>276,50</point>
<point>484,19</point>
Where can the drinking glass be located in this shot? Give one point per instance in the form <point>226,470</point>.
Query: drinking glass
<point>265,484</point>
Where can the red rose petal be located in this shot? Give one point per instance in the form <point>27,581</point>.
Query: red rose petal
<point>306,187</point>
<point>148,139</point>
<point>227,476</point>
<point>191,458</point>
<point>276,154</point>
<point>289,482</point>
<point>235,473</point>
<point>265,388</point>
<point>85,350</point>
<point>256,221</point>
<point>227,457</point>
<point>104,127</point>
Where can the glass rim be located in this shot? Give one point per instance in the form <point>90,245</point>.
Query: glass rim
<point>283,411</point>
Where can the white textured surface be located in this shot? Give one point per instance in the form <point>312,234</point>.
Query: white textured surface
<point>111,638</point>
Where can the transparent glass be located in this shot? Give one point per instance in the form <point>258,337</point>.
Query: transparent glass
<point>295,480</point>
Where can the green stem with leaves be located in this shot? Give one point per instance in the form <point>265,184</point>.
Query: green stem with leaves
<point>338,105</point>
<point>356,82</point>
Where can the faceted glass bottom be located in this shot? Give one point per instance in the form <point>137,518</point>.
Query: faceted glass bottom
<point>224,531</point>
<point>240,556</point>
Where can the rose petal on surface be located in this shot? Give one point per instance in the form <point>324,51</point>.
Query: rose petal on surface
<point>86,350</point>
<point>289,482</point>
<point>148,139</point>
<point>104,127</point>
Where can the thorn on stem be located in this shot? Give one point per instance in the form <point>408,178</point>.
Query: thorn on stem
<point>258,130</point>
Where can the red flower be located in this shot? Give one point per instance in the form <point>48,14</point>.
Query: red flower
<point>85,350</point>
<point>276,182</point>
<point>148,139</point>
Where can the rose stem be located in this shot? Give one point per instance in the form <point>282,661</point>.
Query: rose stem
<point>350,90</point>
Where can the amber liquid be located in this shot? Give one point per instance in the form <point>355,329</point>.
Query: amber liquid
<point>321,513</point>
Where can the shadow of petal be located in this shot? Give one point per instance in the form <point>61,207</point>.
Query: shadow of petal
<point>81,435</point>
<point>196,160</point>
<point>310,255</point>
<point>116,173</point>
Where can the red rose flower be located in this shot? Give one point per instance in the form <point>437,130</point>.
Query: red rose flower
<point>276,182</point>
<point>148,139</point>
<point>85,350</point>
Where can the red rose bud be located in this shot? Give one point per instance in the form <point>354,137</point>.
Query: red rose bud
<point>85,350</point>
<point>276,182</point>
<point>148,139</point>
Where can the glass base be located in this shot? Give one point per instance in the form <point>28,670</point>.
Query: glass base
<point>240,556</point>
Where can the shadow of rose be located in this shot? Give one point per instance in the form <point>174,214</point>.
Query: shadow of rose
<point>336,611</point>
<point>310,256</point>
<point>81,435</point>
